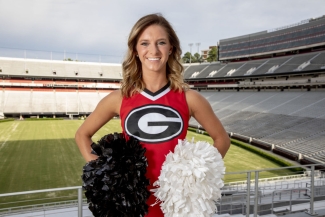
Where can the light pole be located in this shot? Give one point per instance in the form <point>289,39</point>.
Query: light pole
<point>198,46</point>
<point>190,44</point>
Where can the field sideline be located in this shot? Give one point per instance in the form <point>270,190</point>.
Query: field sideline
<point>43,154</point>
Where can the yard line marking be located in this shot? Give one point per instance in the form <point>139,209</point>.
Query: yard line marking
<point>14,127</point>
<point>4,143</point>
<point>7,136</point>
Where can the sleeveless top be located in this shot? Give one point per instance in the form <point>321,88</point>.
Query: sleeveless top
<point>158,120</point>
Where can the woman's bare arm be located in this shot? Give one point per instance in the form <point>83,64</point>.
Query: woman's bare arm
<point>201,110</point>
<point>106,109</point>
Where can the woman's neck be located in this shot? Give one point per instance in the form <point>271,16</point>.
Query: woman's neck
<point>155,83</point>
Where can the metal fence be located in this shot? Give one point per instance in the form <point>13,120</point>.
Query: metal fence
<point>37,204</point>
<point>278,195</point>
<point>254,195</point>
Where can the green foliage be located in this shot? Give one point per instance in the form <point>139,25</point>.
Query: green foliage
<point>198,58</point>
<point>6,120</point>
<point>273,158</point>
<point>212,55</point>
<point>187,57</point>
<point>69,59</point>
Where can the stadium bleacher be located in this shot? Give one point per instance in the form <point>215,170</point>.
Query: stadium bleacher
<point>16,101</point>
<point>190,70</point>
<point>309,33</point>
<point>286,64</point>
<point>49,102</point>
<point>285,119</point>
<point>63,69</point>
<point>268,90</point>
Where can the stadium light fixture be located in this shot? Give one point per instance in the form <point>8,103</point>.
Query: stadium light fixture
<point>0,69</point>
<point>54,72</point>
<point>100,73</point>
<point>198,47</point>
<point>26,71</point>
<point>190,44</point>
<point>76,73</point>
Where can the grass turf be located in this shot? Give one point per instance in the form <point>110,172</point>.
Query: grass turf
<point>43,155</point>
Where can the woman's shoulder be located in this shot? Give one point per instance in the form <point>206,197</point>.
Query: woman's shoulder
<point>195,100</point>
<point>112,100</point>
<point>191,94</point>
<point>114,95</point>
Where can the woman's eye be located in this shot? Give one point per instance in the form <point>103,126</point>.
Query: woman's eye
<point>162,43</point>
<point>144,44</point>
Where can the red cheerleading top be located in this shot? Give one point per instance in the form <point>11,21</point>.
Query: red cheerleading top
<point>158,120</point>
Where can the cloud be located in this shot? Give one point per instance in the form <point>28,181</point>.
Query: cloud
<point>101,27</point>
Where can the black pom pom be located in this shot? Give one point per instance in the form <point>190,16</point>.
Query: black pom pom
<point>115,183</point>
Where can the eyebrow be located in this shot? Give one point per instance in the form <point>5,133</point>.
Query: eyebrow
<point>160,39</point>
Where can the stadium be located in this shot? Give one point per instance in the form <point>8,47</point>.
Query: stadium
<point>267,88</point>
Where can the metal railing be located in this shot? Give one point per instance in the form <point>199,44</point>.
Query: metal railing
<point>78,188</point>
<point>254,198</point>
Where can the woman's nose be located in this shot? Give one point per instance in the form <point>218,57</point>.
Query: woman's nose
<point>154,49</point>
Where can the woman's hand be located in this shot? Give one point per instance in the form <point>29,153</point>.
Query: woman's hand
<point>106,109</point>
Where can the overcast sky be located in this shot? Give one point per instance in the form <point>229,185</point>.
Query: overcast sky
<point>101,27</point>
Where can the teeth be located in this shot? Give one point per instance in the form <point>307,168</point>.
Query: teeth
<point>153,58</point>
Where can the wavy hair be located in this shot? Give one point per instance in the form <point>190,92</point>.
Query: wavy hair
<point>132,70</point>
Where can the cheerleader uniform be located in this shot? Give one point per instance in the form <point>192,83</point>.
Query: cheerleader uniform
<point>158,120</point>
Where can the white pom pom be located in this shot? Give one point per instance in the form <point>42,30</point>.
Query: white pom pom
<point>190,180</point>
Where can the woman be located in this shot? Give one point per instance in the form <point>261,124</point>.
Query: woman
<point>154,103</point>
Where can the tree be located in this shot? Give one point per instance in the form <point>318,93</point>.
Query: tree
<point>213,54</point>
<point>69,59</point>
<point>187,57</point>
<point>197,58</point>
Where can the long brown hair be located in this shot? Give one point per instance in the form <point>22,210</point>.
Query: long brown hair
<point>132,70</point>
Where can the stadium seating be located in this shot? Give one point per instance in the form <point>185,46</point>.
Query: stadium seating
<point>88,101</point>
<point>306,34</point>
<point>293,120</point>
<point>49,102</point>
<point>284,64</point>
<point>191,70</point>
<point>72,70</point>
<point>42,102</point>
<point>16,101</point>
<point>66,69</point>
<point>249,103</point>
<point>295,62</point>
<point>267,90</point>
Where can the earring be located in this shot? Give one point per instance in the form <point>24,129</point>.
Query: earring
<point>137,55</point>
<point>170,53</point>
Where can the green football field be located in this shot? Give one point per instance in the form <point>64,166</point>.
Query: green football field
<point>43,154</point>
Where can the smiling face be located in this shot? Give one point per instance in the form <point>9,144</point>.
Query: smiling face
<point>153,49</point>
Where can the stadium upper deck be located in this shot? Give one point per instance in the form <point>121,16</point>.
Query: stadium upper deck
<point>281,66</point>
<point>305,36</point>
<point>53,69</point>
